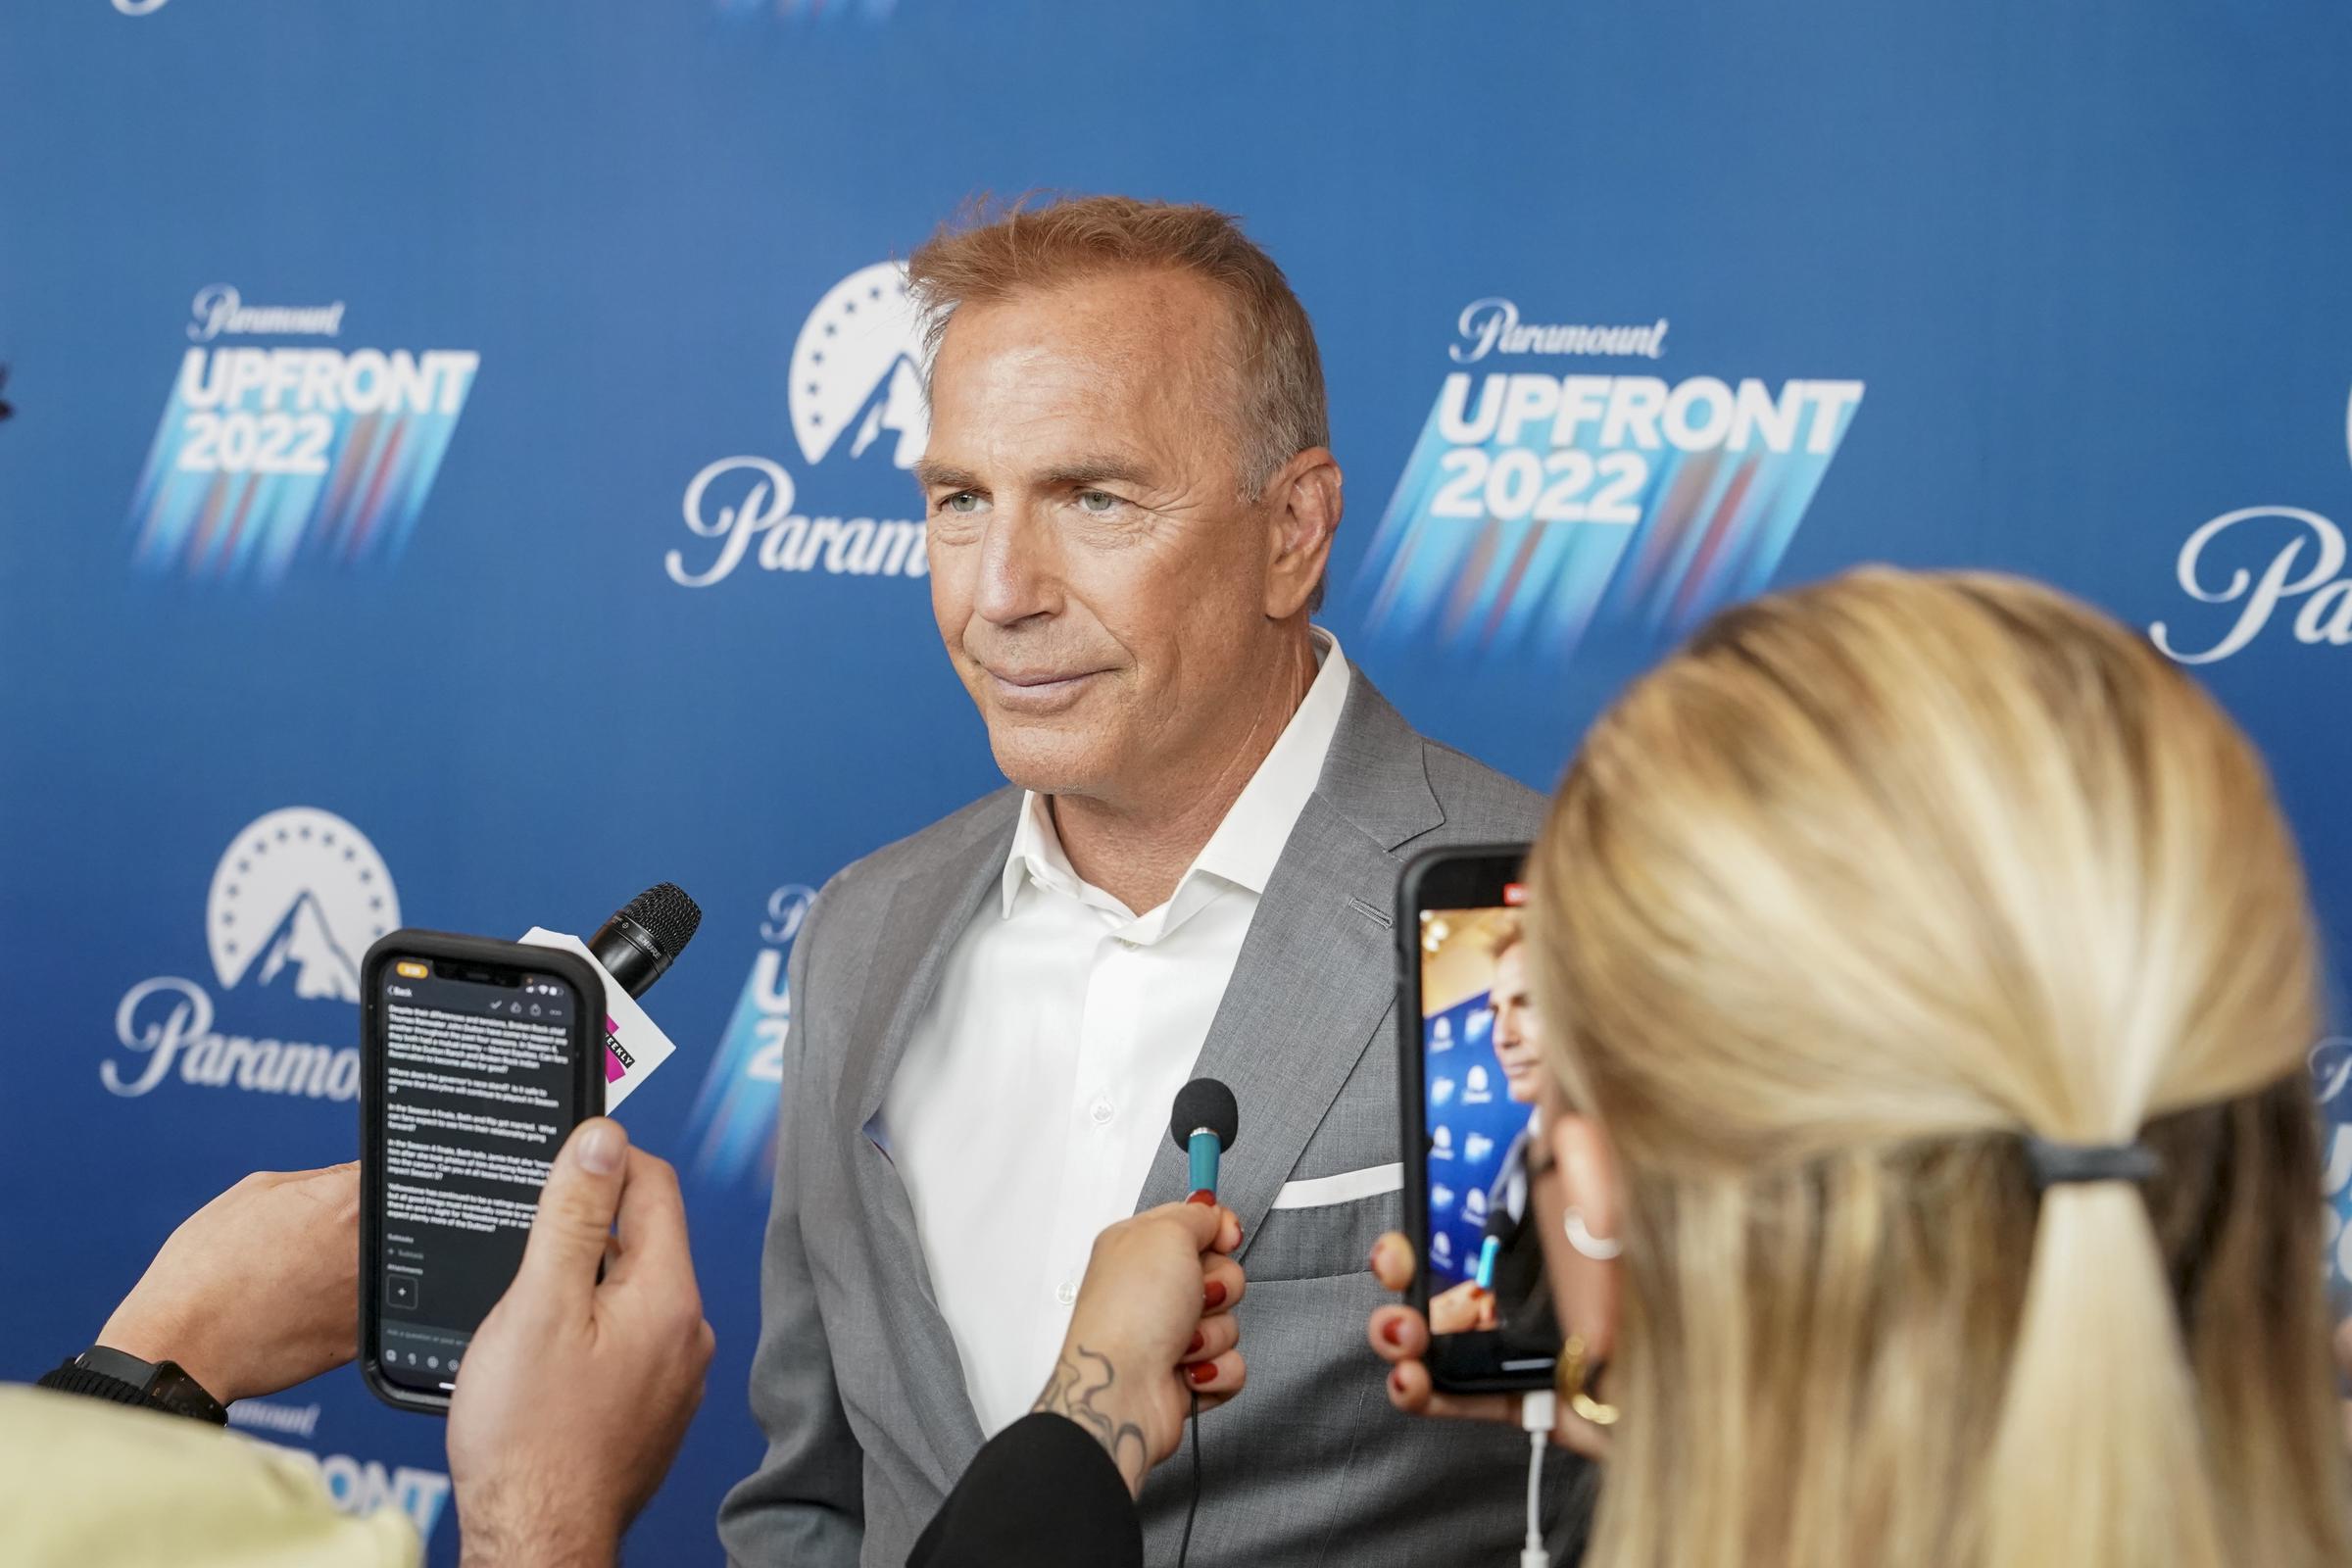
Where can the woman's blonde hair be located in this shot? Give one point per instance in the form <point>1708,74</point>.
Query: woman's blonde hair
<point>1873,881</point>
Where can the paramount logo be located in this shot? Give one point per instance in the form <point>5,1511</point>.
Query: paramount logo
<point>297,896</point>
<point>221,309</point>
<point>1492,327</point>
<point>855,398</point>
<point>177,1030</point>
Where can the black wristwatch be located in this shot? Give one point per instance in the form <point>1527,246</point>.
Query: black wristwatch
<point>122,1379</point>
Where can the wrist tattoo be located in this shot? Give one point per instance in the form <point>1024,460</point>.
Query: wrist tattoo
<point>1081,1377</point>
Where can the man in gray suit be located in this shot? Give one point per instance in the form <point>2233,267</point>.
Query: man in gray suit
<point>1131,502</point>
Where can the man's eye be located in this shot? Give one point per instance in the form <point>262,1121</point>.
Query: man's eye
<point>1097,502</point>
<point>963,500</point>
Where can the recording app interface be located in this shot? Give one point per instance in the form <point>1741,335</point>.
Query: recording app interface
<point>1482,1058</point>
<point>477,1100</point>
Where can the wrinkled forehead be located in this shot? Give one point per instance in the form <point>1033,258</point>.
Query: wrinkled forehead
<point>1157,349</point>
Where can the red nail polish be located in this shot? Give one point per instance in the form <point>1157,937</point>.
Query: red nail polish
<point>1199,1340</point>
<point>1213,1296</point>
<point>1397,1380</point>
<point>1392,1332</point>
<point>1202,1371</point>
<point>1203,1197</point>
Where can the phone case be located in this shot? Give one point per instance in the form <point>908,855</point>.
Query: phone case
<point>1462,877</point>
<point>588,1095</point>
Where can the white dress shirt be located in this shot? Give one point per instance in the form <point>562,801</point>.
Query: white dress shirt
<point>1034,1092</point>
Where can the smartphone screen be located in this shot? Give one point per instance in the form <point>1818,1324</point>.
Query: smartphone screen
<point>1480,1066</point>
<point>479,1084</point>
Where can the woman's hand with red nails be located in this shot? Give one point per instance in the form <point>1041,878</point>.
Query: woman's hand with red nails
<point>1399,1337</point>
<point>1152,1327</point>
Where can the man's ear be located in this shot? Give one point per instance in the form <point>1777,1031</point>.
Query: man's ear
<point>1302,502</point>
<point>1586,1170</point>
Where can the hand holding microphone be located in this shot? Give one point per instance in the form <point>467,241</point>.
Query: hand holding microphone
<point>1154,1325</point>
<point>1152,1337</point>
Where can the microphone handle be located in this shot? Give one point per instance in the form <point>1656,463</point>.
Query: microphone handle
<point>629,954</point>
<point>1204,1148</point>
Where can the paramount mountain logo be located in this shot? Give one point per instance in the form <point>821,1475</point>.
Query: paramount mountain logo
<point>320,886</point>
<point>861,374</point>
<point>304,943</point>
<point>856,403</point>
<point>298,896</point>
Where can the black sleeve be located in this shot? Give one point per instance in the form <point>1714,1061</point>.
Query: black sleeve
<point>1041,1495</point>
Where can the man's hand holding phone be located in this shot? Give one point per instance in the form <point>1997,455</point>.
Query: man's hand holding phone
<point>576,1392</point>
<point>255,1292</point>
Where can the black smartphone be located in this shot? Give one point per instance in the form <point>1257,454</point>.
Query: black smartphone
<point>478,1059</point>
<point>1471,1059</point>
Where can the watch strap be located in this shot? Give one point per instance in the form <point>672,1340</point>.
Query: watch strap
<point>103,1373</point>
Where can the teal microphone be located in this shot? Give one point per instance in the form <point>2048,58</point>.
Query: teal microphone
<point>1204,1124</point>
<point>1487,1251</point>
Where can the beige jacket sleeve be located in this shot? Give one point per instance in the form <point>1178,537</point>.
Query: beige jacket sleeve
<point>88,1485</point>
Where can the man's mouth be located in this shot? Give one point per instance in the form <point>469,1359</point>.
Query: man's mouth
<point>1037,691</point>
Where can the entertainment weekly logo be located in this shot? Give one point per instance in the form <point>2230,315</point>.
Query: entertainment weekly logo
<point>298,897</point>
<point>859,417</point>
<point>1539,503</point>
<point>268,458</point>
<point>733,1122</point>
<point>2305,570</point>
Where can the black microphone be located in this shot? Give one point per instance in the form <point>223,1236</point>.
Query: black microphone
<point>1204,1124</point>
<point>646,935</point>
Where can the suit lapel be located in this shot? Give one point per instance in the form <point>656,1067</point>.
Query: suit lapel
<point>1317,973</point>
<point>928,912</point>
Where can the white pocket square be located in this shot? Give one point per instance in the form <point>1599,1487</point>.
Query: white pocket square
<point>1346,1186</point>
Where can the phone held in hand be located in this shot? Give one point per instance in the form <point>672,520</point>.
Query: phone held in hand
<point>477,1058</point>
<point>1470,1062</point>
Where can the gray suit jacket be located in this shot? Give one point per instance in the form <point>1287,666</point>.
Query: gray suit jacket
<point>857,1380</point>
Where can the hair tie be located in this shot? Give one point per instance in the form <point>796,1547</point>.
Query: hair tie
<point>2057,1164</point>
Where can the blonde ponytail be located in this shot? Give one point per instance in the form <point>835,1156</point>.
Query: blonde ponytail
<point>2099,1459</point>
<point>1838,908</point>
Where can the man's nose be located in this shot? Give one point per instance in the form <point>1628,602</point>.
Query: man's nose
<point>1020,569</point>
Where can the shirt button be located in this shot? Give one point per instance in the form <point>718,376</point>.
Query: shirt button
<point>1101,1112</point>
<point>1065,1292</point>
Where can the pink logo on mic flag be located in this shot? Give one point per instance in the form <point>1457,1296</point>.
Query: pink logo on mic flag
<point>634,1045</point>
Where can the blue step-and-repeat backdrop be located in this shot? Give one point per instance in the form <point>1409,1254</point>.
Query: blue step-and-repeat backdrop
<point>456,475</point>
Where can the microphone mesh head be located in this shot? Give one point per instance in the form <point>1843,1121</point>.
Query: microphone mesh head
<point>1204,1103</point>
<point>667,916</point>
